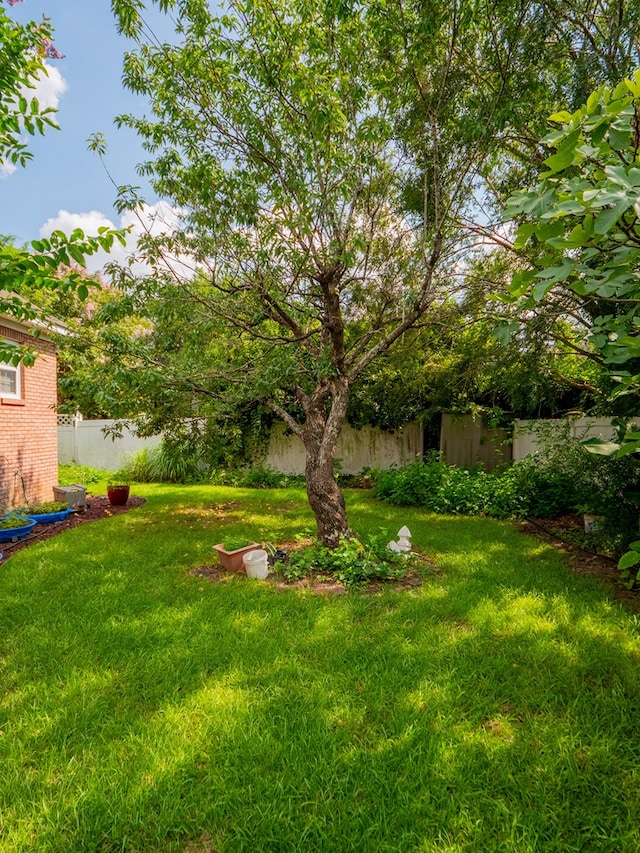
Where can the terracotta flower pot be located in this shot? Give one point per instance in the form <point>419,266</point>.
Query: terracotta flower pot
<point>232,561</point>
<point>118,495</point>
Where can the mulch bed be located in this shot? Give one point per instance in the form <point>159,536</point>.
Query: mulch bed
<point>98,507</point>
<point>320,585</point>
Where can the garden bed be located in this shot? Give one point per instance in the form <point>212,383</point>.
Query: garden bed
<point>98,507</point>
<point>315,582</point>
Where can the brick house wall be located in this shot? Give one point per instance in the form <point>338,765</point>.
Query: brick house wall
<point>28,426</point>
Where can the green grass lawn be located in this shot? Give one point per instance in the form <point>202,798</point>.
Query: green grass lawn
<point>142,708</point>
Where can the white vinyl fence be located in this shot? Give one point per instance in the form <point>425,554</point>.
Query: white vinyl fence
<point>85,443</point>
<point>525,439</point>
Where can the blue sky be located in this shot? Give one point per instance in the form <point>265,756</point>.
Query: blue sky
<point>65,184</point>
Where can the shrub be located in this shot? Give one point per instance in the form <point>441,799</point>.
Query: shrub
<point>447,489</point>
<point>256,477</point>
<point>165,463</point>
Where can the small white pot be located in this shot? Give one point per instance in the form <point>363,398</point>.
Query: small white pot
<point>256,564</point>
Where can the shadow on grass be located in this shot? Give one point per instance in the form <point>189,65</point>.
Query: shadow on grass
<point>495,708</point>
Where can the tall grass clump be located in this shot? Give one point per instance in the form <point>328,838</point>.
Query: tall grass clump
<point>165,463</point>
<point>171,462</point>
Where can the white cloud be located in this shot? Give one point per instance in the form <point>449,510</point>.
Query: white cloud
<point>67,222</point>
<point>49,88</point>
<point>150,219</point>
<point>7,168</point>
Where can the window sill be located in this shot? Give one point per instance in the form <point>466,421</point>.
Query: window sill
<point>9,401</point>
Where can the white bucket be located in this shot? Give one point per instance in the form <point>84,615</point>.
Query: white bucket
<point>255,564</point>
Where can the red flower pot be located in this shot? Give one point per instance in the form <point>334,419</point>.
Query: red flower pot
<point>118,495</point>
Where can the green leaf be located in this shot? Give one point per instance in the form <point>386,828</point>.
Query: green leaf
<point>628,560</point>
<point>620,138</point>
<point>607,218</point>
<point>555,274</point>
<point>77,254</point>
<point>593,101</point>
<point>628,447</point>
<point>561,160</point>
<point>620,91</point>
<point>523,234</point>
<point>505,332</point>
<point>600,446</point>
<point>562,117</point>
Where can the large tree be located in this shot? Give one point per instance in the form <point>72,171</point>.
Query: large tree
<point>321,157</point>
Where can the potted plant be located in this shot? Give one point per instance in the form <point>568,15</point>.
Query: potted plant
<point>14,525</point>
<point>47,512</point>
<point>231,552</point>
<point>118,493</point>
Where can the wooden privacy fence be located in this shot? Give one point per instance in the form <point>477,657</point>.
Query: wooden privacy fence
<point>525,439</point>
<point>467,440</point>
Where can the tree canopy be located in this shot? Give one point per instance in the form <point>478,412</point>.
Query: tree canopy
<point>579,234</point>
<point>22,64</point>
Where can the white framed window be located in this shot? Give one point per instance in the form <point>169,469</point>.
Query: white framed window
<point>10,381</point>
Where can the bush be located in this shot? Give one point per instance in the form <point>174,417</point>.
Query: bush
<point>257,477</point>
<point>447,489</point>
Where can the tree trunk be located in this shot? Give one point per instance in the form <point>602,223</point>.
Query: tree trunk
<point>320,436</point>
<point>327,502</point>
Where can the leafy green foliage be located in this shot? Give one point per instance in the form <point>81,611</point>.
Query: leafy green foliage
<point>326,163</point>
<point>44,508</point>
<point>24,272</point>
<point>628,564</point>
<point>256,477</point>
<point>83,475</point>
<point>167,462</point>
<point>15,518</point>
<point>579,227</point>
<point>352,562</point>
<point>450,489</point>
<point>23,54</point>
